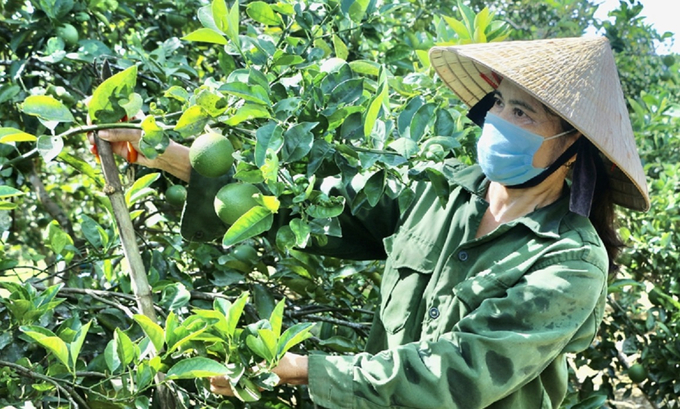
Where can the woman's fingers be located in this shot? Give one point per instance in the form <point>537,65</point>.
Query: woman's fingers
<point>121,135</point>
<point>220,385</point>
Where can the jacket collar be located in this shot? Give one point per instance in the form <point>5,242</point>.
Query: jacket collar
<point>544,222</point>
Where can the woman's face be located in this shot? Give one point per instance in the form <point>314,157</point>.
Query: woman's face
<point>523,110</point>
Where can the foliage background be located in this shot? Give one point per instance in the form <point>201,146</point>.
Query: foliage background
<point>55,228</point>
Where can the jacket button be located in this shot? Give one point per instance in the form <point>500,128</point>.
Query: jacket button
<point>434,313</point>
<point>463,256</point>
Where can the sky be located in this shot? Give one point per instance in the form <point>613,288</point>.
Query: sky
<point>662,14</point>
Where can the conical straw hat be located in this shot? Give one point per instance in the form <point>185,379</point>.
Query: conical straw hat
<point>576,78</point>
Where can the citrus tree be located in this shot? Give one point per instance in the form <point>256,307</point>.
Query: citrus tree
<point>296,93</point>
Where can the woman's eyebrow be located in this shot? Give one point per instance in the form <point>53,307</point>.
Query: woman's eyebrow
<point>516,102</point>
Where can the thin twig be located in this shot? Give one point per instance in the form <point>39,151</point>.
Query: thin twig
<point>72,396</point>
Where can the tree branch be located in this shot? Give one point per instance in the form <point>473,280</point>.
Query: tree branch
<point>72,395</point>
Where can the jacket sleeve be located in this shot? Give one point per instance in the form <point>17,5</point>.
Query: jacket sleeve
<point>499,347</point>
<point>362,232</point>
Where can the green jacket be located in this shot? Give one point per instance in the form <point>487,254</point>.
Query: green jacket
<point>464,322</point>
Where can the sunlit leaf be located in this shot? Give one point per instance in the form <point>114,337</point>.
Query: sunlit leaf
<point>8,135</point>
<point>198,367</point>
<point>47,108</point>
<point>206,35</point>
<point>255,221</point>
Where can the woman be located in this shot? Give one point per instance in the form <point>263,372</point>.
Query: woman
<point>483,297</point>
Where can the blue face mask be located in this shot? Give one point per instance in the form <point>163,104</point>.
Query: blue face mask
<point>506,151</point>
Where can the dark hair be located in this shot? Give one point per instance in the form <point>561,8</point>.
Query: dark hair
<point>602,211</point>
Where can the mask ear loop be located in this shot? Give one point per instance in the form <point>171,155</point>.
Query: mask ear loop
<point>561,160</point>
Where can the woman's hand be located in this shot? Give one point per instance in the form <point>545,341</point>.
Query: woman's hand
<point>292,370</point>
<point>125,143</point>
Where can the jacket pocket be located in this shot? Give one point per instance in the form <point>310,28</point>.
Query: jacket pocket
<point>408,270</point>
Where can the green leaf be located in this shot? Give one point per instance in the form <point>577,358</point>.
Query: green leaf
<point>192,121</point>
<point>406,147</point>
<point>293,336</point>
<point>82,166</point>
<point>298,141</point>
<point>324,207</point>
<point>255,221</point>
<point>171,324</point>
<point>76,345</point>
<point>353,127</point>
<point>406,116</point>
<point>154,140</point>
<point>263,343</point>
<point>235,312</point>
<point>212,102</point>
<point>365,67</point>
<point>132,104</point>
<point>269,136</point>
<point>284,59</point>
<point>263,13</point>
<point>458,27</point>
<point>220,15</point>
<point>111,356</point>
<point>248,112</point>
<point>57,238</point>
<point>175,296</point>
<point>355,9</point>
<point>124,347</point>
<point>140,188</point>
<point>421,121</point>
<point>374,109</point>
<point>6,191</point>
<point>347,92</point>
<point>93,232</point>
<point>47,108</point>
<point>482,21</point>
<point>340,48</point>
<point>468,16</point>
<point>246,390</point>
<point>5,205</point>
<point>8,135</point>
<point>251,93</point>
<point>301,230</point>
<point>51,343</point>
<point>206,35</point>
<point>276,318</point>
<point>50,146</point>
<point>233,26</point>
<point>104,106</point>
<point>198,367</point>
<point>152,330</point>
<point>375,186</point>
<point>178,93</point>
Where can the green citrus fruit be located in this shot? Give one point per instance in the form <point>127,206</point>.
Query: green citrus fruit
<point>176,20</point>
<point>637,373</point>
<point>176,195</point>
<point>668,60</point>
<point>234,200</point>
<point>210,155</point>
<point>246,253</point>
<point>68,33</point>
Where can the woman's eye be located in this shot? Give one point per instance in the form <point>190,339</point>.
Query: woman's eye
<point>519,113</point>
